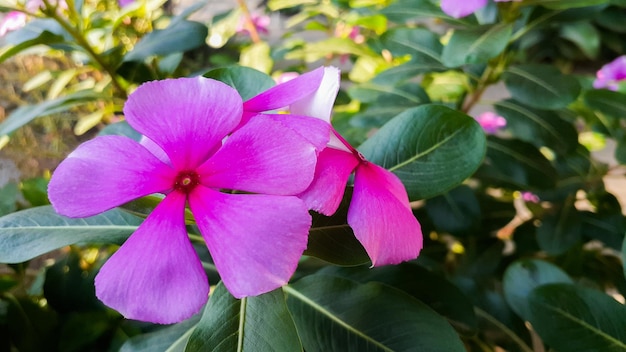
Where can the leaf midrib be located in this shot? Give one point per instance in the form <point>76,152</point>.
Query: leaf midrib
<point>534,79</point>
<point>425,152</point>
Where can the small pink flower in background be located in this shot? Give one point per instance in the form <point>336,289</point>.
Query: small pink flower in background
<point>255,240</point>
<point>124,3</point>
<point>462,8</point>
<point>491,122</point>
<point>530,197</point>
<point>286,77</point>
<point>12,21</point>
<point>261,24</point>
<point>379,213</point>
<point>611,74</point>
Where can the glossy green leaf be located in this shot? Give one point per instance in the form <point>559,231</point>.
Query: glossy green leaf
<point>539,127</point>
<point>422,45</point>
<point>429,287</point>
<point>569,4</point>
<point>121,128</point>
<point>476,46</point>
<point>541,86</point>
<point>607,102</point>
<point>170,338</point>
<point>521,277</point>
<point>43,38</point>
<point>260,323</point>
<point>607,224</point>
<point>32,232</point>
<point>26,113</point>
<point>623,255</point>
<point>247,81</point>
<point>336,314</point>
<point>584,35</point>
<point>456,212</point>
<point>180,36</point>
<point>431,148</point>
<point>578,319</point>
<point>560,230</point>
<point>516,164</point>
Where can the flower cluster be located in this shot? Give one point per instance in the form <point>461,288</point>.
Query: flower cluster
<point>249,176</point>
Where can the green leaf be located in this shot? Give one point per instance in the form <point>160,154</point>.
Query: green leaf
<point>24,114</point>
<point>521,277</point>
<point>516,164</point>
<point>431,148</point>
<point>170,338</point>
<point>423,46</point>
<point>476,46</point>
<point>32,232</point>
<point>456,212</point>
<point>431,288</point>
<point>571,318</point>
<point>623,255</point>
<point>121,128</point>
<point>539,127</point>
<point>260,323</point>
<point>607,102</point>
<point>180,36</point>
<point>584,35</point>
<point>336,314</point>
<point>44,38</point>
<point>569,4</point>
<point>247,81</point>
<point>560,231</point>
<point>541,86</point>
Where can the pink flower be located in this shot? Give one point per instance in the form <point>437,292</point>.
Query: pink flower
<point>261,24</point>
<point>286,77</point>
<point>12,21</point>
<point>255,240</point>
<point>379,213</point>
<point>490,122</point>
<point>462,8</point>
<point>530,197</point>
<point>611,74</point>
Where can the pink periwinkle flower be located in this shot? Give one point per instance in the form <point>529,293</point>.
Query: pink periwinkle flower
<point>379,212</point>
<point>124,3</point>
<point>530,197</point>
<point>462,8</point>
<point>12,21</point>
<point>491,122</point>
<point>255,237</point>
<point>286,77</point>
<point>611,74</point>
<point>260,22</point>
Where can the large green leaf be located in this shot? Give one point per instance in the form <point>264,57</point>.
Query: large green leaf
<point>171,338</point>
<point>523,276</point>
<point>431,288</point>
<point>578,319</point>
<point>336,314</point>
<point>623,255</point>
<point>560,231</point>
<point>180,36</point>
<point>516,164</point>
<point>260,323</point>
<point>585,35</point>
<point>569,4</point>
<point>247,81</point>
<point>539,127</point>
<point>476,46</point>
<point>456,212</point>
<point>25,114</point>
<point>422,44</point>
<point>32,232</point>
<point>607,102</point>
<point>431,148</point>
<point>541,86</point>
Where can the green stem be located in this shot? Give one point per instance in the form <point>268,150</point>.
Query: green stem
<point>523,346</point>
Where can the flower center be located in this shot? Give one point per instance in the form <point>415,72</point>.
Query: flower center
<point>186,181</point>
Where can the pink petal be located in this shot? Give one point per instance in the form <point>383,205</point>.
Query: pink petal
<point>186,117</point>
<point>255,240</point>
<point>461,8</point>
<point>381,217</point>
<point>104,173</point>
<point>156,275</point>
<point>287,93</point>
<point>262,157</point>
<point>316,132</point>
<point>320,104</point>
<point>331,174</point>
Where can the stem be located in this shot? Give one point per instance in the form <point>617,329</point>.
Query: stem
<point>82,42</point>
<point>249,23</point>
<point>481,86</point>
<point>523,346</point>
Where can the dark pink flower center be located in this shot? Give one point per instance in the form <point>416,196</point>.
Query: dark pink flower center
<point>186,181</point>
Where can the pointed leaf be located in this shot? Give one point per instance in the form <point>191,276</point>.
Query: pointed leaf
<point>422,44</point>
<point>32,232</point>
<point>260,323</point>
<point>560,231</point>
<point>607,102</point>
<point>336,314</point>
<point>179,36</point>
<point>476,46</point>
<point>171,338</point>
<point>247,81</point>
<point>578,319</point>
<point>569,4</point>
<point>431,148</point>
<point>541,86</point>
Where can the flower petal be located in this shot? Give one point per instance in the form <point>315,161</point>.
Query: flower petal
<point>256,241</point>
<point>316,132</point>
<point>156,275</point>
<point>186,117</point>
<point>320,104</point>
<point>381,217</point>
<point>106,172</point>
<point>263,156</point>
<point>461,8</point>
<point>331,175</point>
<point>287,93</point>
